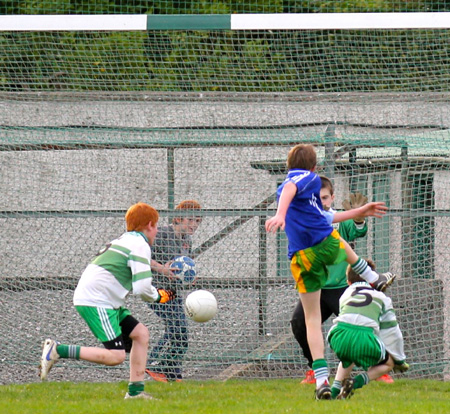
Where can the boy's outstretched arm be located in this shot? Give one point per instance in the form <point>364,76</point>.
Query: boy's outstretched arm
<point>375,209</point>
<point>287,194</point>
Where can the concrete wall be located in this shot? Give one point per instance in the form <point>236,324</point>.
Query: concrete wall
<point>76,200</point>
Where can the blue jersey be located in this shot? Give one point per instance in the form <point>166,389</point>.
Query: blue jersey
<point>307,224</point>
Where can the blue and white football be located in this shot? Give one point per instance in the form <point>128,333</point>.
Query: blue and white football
<point>186,269</point>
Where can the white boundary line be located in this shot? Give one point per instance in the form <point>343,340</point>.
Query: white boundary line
<point>322,21</point>
<point>67,22</point>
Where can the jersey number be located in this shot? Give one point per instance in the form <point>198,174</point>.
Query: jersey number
<point>358,291</point>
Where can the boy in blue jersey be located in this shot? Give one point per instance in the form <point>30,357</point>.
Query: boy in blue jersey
<point>121,267</point>
<point>313,245</point>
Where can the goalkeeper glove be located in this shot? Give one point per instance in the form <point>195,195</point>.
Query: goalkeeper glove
<point>356,200</point>
<point>401,366</point>
<point>165,295</point>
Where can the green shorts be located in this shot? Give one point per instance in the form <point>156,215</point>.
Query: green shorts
<point>356,345</point>
<point>309,266</point>
<point>104,323</point>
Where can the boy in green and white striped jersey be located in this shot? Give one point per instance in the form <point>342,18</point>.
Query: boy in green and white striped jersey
<point>365,334</point>
<point>120,268</point>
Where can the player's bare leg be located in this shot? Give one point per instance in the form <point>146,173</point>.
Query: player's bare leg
<point>109,357</point>
<point>379,370</point>
<point>138,358</point>
<point>313,320</point>
<point>343,385</point>
<point>138,355</point>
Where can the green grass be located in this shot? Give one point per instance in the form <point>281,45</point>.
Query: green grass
<point>273,396</point>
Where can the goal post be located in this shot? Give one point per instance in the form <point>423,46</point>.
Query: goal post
<point>275,21</point>
<point>98,112</point>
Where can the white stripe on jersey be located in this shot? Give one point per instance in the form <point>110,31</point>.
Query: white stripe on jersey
<point>118,251</point>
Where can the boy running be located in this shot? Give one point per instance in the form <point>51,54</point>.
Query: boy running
<point>120,268</point>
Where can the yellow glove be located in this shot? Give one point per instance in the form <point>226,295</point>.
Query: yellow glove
<point>356,200</point>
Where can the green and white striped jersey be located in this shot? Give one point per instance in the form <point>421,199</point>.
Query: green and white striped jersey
<point>362,305</point>
<point>120,268</point>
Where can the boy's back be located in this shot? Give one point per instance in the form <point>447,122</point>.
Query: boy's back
<point>306,221</point>
<point>362,305</point>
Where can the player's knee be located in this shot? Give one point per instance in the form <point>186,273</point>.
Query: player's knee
<point>140,334</point>
<point>116,357</point>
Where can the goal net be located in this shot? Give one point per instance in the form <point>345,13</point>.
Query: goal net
<point>101,112</point>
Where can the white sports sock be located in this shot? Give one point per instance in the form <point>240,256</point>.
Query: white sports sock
<point>365,271</point>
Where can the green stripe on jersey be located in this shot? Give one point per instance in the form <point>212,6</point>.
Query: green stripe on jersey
<point>371,310</point>
<point>142,275</point>
<point>388,324</point>
<point>116,264</point>
<point>138,259</point>
<point>120,249</point>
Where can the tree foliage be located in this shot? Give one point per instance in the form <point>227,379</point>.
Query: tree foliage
<point>251,61</point>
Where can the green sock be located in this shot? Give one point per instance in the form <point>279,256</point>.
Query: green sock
<point>360,380</point>
<point>320,368</point>
<point>336,389</point>
<point>135,388</point>
<point>68,351</point>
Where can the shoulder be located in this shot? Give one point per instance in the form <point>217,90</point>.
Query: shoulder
<point>133,243</point>
<point>361,286</point>
<point>304,180</point>
<point>300,175</point>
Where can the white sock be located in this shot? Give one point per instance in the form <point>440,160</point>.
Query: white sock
<point>365,271</point>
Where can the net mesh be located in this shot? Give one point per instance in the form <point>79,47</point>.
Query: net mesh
<point>92,122</point>
<point>226,61</point>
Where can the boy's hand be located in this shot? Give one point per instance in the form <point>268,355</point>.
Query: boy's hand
<point>374,209</point>
<point>274,223</point>
<point>356,200</point>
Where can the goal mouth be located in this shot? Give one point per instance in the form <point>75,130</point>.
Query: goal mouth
<point>99,111</point>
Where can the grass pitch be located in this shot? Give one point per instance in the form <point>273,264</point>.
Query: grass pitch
<point>235,396</point>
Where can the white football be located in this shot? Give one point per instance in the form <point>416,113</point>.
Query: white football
<point>201,306</point>
<point>185,268</point>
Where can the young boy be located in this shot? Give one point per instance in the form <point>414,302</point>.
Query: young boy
<point>166,358</point>
<point>313,244</point>
<point>365,334</point>
<point>337,278</point>
<point>120,268</point>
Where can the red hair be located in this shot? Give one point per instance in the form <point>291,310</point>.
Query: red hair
<point>186,205</point>
<point>139,215</point>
